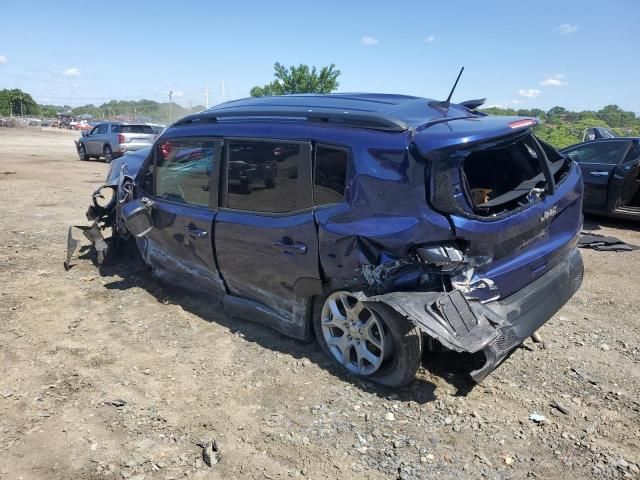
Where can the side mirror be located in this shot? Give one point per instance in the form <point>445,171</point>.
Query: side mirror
<point>137,217</point>
<point>84,133</point>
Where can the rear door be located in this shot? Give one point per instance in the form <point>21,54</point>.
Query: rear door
<point>598,160</point>
<point>265,234</point>
<point>183,210</point>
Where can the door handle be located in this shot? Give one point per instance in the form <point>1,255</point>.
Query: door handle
<point>300,248</point>
<point>599,174</point>
<point>196,232</point>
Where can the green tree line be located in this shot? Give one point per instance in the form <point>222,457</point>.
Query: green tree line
<point>561,127</point>
<point>16,102</point>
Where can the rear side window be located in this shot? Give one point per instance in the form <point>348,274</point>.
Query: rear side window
<point>330,175</point>
<point>132,129</point>
<point>183,169</point>
<point>605,152</point>
<point>262,176</point>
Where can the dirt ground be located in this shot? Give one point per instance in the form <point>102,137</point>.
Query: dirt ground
<point>106,374</point>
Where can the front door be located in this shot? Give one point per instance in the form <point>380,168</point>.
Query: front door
<point>91,141</point>
<point>625,181</point>
<point>183,211</point>
<point>99,140</point>
<point>598,161</point>
<point>265,234</point>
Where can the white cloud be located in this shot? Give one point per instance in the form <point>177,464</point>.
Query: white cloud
<point>430,39</point>
<point>528,92</point>
<point>71,72</point>
<point>554,81</point>
<point>3,60</point>
<point>566,28</point>
<point>370,41</point>
<point>516,101</point>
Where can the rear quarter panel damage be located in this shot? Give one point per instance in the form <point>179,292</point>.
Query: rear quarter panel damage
<point>384,215</point>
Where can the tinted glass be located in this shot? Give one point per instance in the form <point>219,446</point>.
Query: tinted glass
<point>136,129</point>
<point>634,153</point>
<point>605,152</point>
<point>102,129</point>
<point>330,175</point>
<point>262,176</point>
<point>183,168</point>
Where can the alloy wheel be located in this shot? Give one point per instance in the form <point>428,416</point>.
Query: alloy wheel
<point>355,335</point>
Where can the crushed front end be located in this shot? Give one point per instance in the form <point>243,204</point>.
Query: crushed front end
<point>105,211</point>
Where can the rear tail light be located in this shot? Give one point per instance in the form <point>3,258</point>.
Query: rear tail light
<point>120,138</point>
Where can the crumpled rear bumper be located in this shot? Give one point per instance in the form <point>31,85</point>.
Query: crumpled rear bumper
<point>495,328</point>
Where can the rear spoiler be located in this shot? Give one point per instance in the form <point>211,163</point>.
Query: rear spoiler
<point>473,104</point>
<point>468,130</point>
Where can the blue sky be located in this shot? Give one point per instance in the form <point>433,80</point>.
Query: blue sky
<point>578,54</point>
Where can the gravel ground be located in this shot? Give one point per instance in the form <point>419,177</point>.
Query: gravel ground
<point>106,374</point>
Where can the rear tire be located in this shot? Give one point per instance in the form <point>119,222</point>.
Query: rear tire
<point>108,154</point>
<point>402,340</point>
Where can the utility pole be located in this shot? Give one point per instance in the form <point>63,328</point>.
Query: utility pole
<point>206,96</point>
<point>170,107</point>
<point>223,99</point>
<point>21,110</point>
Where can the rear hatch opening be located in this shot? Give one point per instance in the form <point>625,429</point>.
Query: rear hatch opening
<point>505,177</point>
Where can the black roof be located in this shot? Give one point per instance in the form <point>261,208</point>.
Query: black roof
<point>368,110</point>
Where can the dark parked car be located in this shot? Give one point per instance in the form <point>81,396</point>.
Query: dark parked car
<point>596,133</point>
<point>611,170</point>
<point>394,224</point>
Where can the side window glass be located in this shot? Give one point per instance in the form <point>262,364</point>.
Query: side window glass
<point>94,131</point>
<point>330,175</point>
<point>102,129</point>
<point>183,169</point>
<point>115,129</point>
<point>605,152</point>
<point>634,153</point>
<point>263,176</point>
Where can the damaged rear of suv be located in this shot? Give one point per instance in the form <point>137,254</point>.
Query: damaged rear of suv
<point>383,221</point>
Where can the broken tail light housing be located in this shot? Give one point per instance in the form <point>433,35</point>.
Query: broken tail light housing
<point>445,258</point>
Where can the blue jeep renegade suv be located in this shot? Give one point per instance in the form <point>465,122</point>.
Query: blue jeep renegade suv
<point>372,222</point>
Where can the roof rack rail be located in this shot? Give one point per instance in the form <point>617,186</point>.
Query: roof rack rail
<point>372,120</point>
